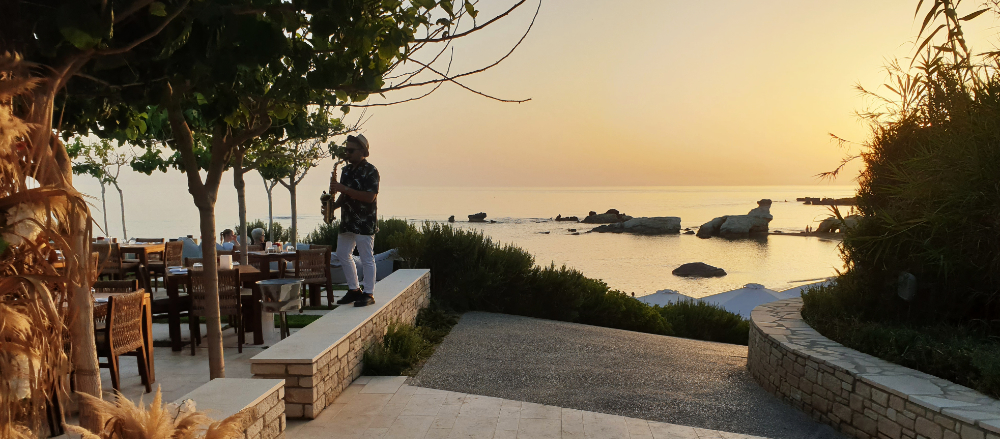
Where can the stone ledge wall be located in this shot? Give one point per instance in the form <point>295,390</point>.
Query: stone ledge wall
<point>309,388</point>
<point>860,395</point>
<point>262,403</point>
<point>266,420</point>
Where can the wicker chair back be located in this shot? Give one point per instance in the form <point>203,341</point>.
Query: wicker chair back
<point>229,293</point>
<point>312,265</point>
<point>125,322</point>
<point>172,253</point>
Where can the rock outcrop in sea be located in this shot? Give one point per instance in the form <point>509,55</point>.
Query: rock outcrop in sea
<point>567,218</point>
<point>659,225</point>
<point>478,218</point>
<point>698,269</point>
<point>835,225</point>
<point>735,226</point>
<point>611,216</point>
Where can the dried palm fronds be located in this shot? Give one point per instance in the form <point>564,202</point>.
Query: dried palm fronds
<point>125,419</point>
<point>35,221</point>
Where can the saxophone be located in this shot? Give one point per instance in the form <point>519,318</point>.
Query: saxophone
<point>328,198</point>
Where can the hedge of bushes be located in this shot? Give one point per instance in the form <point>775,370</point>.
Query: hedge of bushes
<point>472,272</point>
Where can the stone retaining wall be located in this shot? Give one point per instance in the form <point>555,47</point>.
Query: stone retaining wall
<point>262,402</point>
<point>860,395</point>
<point>312,383</point>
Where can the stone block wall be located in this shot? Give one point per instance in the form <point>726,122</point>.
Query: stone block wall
<point>311,387</point>
<point>858,394</point>
<point>266,419</point>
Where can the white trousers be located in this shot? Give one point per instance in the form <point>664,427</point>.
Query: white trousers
<point>366,249</point>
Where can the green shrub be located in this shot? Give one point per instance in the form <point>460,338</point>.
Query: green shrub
<point>400,348</point>
<point>326,234</point>
<point>966,354</point>
<point>278,232</point>
<point>404,348</point>
<point>705,321</point>
<point>472,272</point>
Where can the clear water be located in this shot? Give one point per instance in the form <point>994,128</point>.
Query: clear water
<point>639,264</point>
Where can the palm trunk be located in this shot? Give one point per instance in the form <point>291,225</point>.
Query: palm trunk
<point>86,370</point>
<point>60,174</point>
<point>121,197</point>
<point>241,197</point>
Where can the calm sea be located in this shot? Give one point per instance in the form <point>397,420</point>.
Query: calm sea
<point>639,264</point>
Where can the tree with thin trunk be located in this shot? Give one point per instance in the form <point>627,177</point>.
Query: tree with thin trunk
<point>272,148</point>
<point>302,155</point>
<point>215,73</point>
<point>104,162</point>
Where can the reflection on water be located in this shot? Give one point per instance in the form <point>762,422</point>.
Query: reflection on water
<point>643,264</point>
<point>639,264</point>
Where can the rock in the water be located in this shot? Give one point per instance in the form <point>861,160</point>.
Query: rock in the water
<point>834,225</point>
<point>478,218</point>
<point>711,228</point>
<point>660,225</point>
<point>451,219</point>
<point>754,222</point>
<point>567,218</point>
<point>611,216</point>
<point>698,269</point>
<point>689,232</point>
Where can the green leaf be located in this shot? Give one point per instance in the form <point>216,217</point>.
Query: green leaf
<point>448,7</point>
<point>158,9</point>
<point>342,95</point>
<point>142,125</point>
<point>470,9</point>
<point>200,98</point>
<point>79,38</point>
<point>345,109</point>
<point>280,112</point>
<point>3,245</point>
<point>426,4</point>
<point>443,22</point>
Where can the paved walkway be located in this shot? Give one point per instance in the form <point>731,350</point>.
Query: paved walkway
<point>386,407</point>
<point>666,379</point>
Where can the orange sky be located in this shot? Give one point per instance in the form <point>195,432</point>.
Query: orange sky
<point>646,92</point>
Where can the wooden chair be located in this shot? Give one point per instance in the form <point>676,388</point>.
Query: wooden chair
<point>123,336</point>
<point>189,262</point>
<point>111,263</point>
<point>172,252</point>
<point>230,290</point>
<point>313,267</point>
<point>116,286</point>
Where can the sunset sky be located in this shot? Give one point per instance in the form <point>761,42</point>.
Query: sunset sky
<point>623,93</point>
<point>652,92</point>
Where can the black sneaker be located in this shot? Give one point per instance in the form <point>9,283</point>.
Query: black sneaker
<point>351,296</point>
<point>365,300</point>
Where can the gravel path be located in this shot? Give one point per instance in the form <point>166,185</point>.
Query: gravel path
<point>667,379</point>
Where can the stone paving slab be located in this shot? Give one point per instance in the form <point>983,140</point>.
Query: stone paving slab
<point>424,413</point>
<point>628,374</point>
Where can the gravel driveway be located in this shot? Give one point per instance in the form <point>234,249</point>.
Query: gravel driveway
<point>668,379</point>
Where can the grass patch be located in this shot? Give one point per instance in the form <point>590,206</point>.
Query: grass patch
<point>404,348</point>
<point>296,320</point>
<point>968,355</point>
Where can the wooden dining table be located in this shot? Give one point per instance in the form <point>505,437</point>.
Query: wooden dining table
<point>249,276</point>
<point>147,326</point>
<point>267,258</point>
<point>142,250</point>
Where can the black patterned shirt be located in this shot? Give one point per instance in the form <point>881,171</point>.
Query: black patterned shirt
<point>357,216</point>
